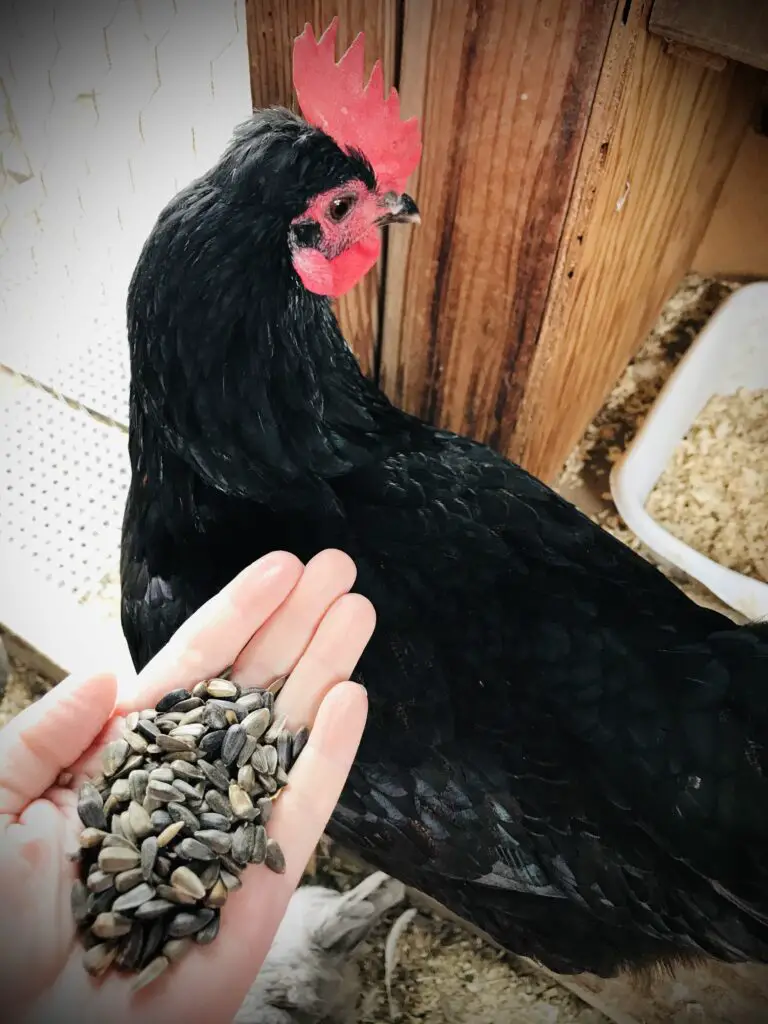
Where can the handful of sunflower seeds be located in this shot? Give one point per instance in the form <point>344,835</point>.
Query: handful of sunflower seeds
<point>174,820</point>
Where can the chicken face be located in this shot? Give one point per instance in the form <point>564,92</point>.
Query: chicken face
<point>337,239</point>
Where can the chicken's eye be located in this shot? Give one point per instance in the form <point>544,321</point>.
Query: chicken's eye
<point>340,207</point>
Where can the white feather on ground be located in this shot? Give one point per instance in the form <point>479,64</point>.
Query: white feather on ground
<point>310,975</point>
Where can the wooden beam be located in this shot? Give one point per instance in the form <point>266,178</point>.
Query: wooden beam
<point>736,29</point>
<point>736,241</point>
<point>504,89</point>
<point>272,26</point>
<point>663,136</point>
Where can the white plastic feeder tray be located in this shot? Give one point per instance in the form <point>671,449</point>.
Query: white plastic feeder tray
<point>731,352</point>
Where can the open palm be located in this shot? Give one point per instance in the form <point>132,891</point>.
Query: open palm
<point>277,617</point>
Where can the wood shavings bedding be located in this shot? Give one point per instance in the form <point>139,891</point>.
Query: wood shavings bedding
<point>713,494</point>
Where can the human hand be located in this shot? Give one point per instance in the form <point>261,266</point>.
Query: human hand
<point>276,617</point>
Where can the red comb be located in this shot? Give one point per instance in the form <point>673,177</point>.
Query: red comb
<point>332,97</point>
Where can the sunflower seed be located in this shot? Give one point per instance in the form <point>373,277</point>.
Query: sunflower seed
<point>100,902</point>
<point>79,902</point>
<point>92,837</point>
<point>193,717</point>
<point>259,761</point>
<point>170,832</point>
<point>193,849</point>
<point>148,856</point>
<point>187,922</point>
<point>181,813</point>
<point>114,840</point>
<point>139,820</point>
<point>127,828</point>
<point>150,973</point>
<point>162,774</point>
<point>170,700</point>
<point>163,866</point>
<point>132,720</point>
<point>161,819</point>
<point>210,744</point>
<point>175,895</point>
<point>268,784</point>
<point>147,728</point>
<point>239,801</point>
<point>114,756</point>
<point>243,842</point>
<point>271,757</point>
<point>223,688</point>
<point>186,771</point>
<point>209,875</point>
<point>232,744</point>
<point>256,723</point>
<point>136,742</point>
<point>163,791</point>
<point>193,732</point>
<point>250,701</point>
<point>153,939</point>
<point>265,810</point>
<point>174,744</point>
<point>231,881</point>
<point>188,791</point>
<point>275,859</point>
<point>246,778</point>
<point>219,842</point>
<point>276,685</point>
<point>217,822</point>
<point>142,893</point>
<point>214,717</point>
<point>283,748</point>
<point>134,761</point>
<point>99,881</point>
<point>137,784</point>
<point>110,926</point>
<point>186,881</point>
<point>121,790</point>
<point>217,897</point>
<point>299,742</point>
<point>246,751</point>
<point>216,776</point>
<point>98,958</point>
<point>154,908</point>
<point>219,804</point>
<point>175,949</point>
<point>208,932</point>
<point>189,756</point>
<point>90,807</point>
<point>114,859</point>
<point>128,880</point>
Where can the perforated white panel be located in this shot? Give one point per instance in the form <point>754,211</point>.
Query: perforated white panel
<point>64,483</point>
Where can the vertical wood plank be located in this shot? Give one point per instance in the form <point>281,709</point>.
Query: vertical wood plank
<point>661,141</point>
<point>504,90</point>
<point>272,26</point>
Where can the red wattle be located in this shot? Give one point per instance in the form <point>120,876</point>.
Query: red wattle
<point>337,276</point>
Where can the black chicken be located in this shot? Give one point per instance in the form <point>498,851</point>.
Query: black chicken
<point>562,747</point>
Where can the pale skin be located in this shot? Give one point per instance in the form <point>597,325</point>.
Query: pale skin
<point>278,616</point>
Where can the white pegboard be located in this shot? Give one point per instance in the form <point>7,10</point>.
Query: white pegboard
<point>64,484</point>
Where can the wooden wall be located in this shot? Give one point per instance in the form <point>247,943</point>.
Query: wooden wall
<point>570,169</point>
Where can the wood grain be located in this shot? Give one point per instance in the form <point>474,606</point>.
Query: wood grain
<point>504,91</point>
<point>736,241</point>
<point>737,29</point>
<point>662,138</point>
<point>272,26</point>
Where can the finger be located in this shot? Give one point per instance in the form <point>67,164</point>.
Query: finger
<point>331,656</point>
<point>251,916</point>
<point>210,639</point>
<point>276,648</point>
<point>50,735</point>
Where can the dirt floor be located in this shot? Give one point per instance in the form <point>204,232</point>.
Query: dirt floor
<point>444,975</point>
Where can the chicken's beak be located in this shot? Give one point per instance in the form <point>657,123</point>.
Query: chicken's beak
<point>399,209</point>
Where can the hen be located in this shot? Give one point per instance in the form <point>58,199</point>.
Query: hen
<point>561,746</point>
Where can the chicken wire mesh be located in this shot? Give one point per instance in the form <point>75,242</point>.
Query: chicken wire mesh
<point>64,483</point>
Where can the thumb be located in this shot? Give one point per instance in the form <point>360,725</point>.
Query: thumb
<point>50,735</point>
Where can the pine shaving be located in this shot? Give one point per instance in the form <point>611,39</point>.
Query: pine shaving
<point>713,494</point>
